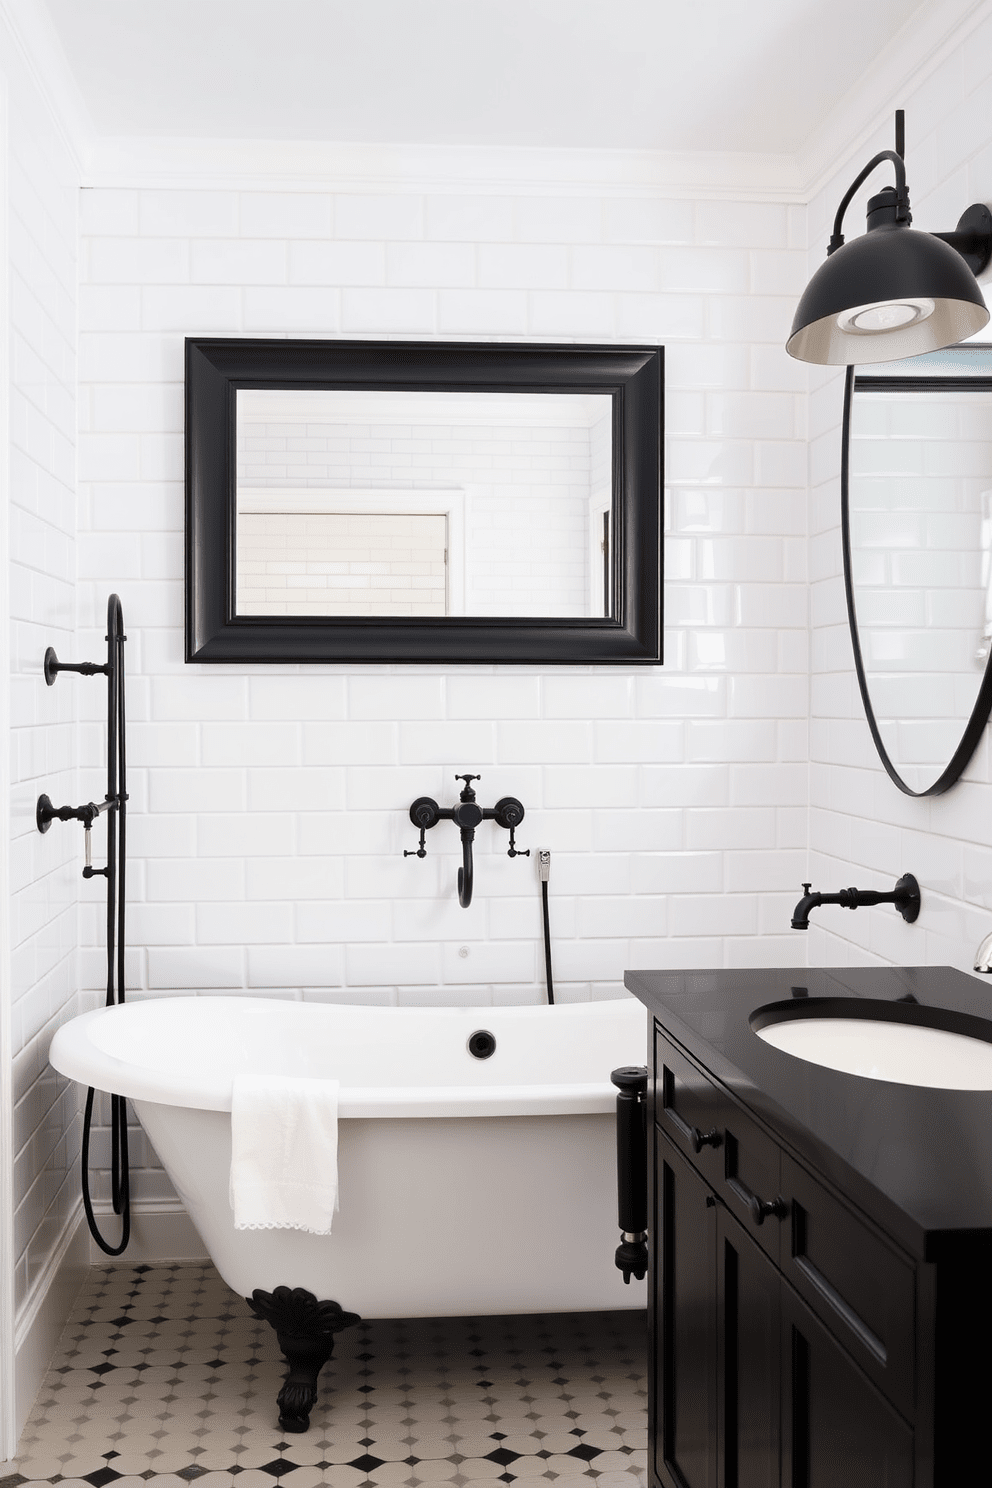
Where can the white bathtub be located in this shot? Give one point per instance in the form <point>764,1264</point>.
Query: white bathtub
<point>466,1186</point>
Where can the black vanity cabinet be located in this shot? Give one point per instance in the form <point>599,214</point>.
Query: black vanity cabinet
<point>751,1390</point>
<point>800,1339</point>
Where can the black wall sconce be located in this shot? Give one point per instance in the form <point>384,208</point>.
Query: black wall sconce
<point>893,293</point>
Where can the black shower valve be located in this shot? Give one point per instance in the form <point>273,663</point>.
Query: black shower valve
<point>508,812</point>
<point>425,813</point>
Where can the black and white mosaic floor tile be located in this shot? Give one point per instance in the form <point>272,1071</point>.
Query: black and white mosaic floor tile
<point>164,1378</point>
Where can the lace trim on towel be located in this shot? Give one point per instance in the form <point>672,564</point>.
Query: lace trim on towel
<point>283,1225</point>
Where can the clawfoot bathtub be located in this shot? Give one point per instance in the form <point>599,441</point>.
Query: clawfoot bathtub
<point>467,1184</point>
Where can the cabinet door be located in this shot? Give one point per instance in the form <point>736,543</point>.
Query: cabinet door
<point>837,1429</point>
<point>683,1425</point>
<point>749,1349</point>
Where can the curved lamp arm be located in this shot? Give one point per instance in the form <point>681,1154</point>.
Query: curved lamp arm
<point>903,213</point>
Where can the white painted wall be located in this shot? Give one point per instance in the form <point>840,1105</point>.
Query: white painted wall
<point>862,829</point>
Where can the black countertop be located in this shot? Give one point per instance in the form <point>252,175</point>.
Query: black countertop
<point>917,1160</point>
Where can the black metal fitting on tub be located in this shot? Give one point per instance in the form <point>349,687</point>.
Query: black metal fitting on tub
<point>425,813</point>
<point>905,896</point>
<point>632,1170</point>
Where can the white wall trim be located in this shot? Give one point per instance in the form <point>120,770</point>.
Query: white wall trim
<point>327,166</point>
<point>161,1231</point>
<point>43,1317</point>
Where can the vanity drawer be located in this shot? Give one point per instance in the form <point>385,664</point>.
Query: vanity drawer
<point>689,1108</point>
<point>739,1160</point>
<point>857,1283</point>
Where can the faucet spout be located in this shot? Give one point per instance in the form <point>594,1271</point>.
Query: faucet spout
<point>465,874</point>
<point>800,915</point>
<point>905,896</point>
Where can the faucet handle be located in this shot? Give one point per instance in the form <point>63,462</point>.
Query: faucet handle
<point>807,887</point>
<point>424,813</point>
<point>467,794</point>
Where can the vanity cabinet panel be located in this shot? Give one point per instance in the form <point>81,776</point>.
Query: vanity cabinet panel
<point>859,1286</point>
<point>683,1417</point>
<point>748,1360</point>
<point>836,1427</point>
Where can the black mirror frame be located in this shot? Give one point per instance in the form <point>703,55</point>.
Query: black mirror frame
<point>632,375</point>
<point>983,703</point>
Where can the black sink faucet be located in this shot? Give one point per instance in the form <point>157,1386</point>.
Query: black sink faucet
<point>426,813</point>
<point>905,896</point>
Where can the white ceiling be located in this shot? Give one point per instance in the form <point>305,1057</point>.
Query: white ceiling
<point>668,75</point>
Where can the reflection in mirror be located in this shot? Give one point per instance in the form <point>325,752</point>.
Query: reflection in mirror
<point>354,503</point>
<point>918,513</point>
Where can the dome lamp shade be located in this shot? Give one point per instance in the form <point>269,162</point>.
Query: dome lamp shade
<point>894,292</point>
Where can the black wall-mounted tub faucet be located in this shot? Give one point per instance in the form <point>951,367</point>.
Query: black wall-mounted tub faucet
<point>905,896</point>
<point>426,813</point>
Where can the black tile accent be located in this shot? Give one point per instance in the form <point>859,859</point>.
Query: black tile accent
<point>193,1470</point>
<point>366,1463</point>
<point>279,1467</point>
<point>585,1451</point>
<point>503,1456</point>
<point>101,1477</point>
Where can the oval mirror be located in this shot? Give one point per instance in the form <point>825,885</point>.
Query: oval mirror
<point>916,519</point>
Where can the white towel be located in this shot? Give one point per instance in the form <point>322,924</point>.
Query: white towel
<point>284,1153</point>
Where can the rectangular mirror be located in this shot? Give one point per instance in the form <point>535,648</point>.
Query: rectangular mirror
<point>423,502</point>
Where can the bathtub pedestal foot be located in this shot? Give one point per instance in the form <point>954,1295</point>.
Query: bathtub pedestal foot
<point>305,1330</point>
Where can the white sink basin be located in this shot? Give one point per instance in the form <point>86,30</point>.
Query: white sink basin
<point>906,1053</point>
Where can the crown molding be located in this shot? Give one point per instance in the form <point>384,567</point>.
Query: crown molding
<point>324,165</point>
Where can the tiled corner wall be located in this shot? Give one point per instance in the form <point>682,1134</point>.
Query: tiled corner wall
<point>41,214</point>
<point>862,829</point>
<point>268,809</point>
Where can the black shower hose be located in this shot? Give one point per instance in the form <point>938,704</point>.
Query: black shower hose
<point>547,941</point>
<point>120,1182</point>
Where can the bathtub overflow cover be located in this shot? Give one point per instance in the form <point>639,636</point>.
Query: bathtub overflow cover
<point>481,1044</point>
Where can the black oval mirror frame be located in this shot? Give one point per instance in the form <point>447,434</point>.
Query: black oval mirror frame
<point>983,703</point>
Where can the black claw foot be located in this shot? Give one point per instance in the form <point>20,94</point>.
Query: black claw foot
<point>305,1330</point>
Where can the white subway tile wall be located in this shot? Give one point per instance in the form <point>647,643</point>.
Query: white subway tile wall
<point>269,806</point>
<point>862,829</point>
<point>42,247</point>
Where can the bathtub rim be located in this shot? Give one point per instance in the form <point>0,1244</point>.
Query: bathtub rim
<point>74,1053</point>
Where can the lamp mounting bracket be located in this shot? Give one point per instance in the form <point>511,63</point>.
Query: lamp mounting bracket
<point>972,237</point>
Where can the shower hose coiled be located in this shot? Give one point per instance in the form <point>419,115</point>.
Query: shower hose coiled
<point>115,872</point>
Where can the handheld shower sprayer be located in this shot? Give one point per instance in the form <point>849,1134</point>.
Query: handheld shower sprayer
<point>114,806</point>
